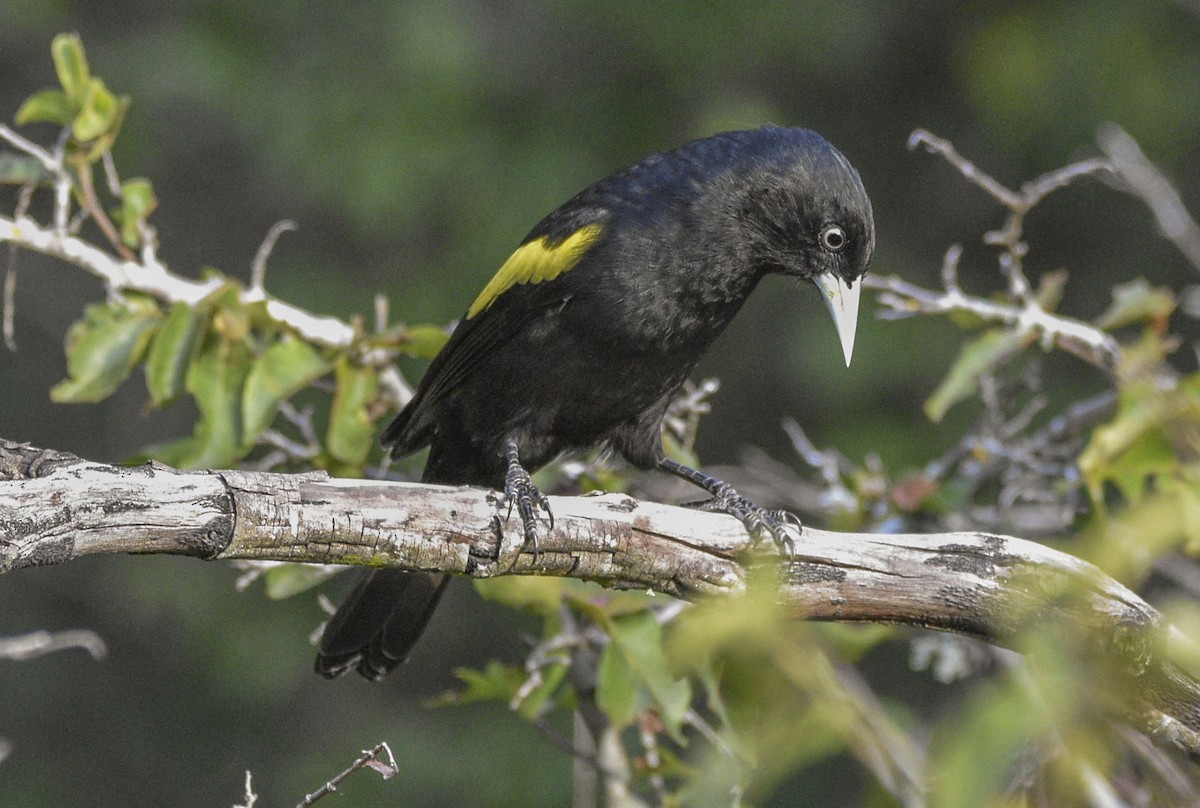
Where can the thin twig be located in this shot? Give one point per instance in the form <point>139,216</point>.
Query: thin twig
<point>1034,191</point>
<point>62,184</point>
<point>39,643</point>
<point>249,796</point>
<point>945,149</point>
<point>91,203</point>
<point>24,200</point>
<point>829,463</point>
<point>35,151</point>
<point>381,313</point>
<point>1146,181</point>
<point>10,296</point>
<point>113,179</point>
<point>1010,236</point>
<point>904,299</point>
<point>258,269</point>
<point>370,759</point>
<point>683,415</point>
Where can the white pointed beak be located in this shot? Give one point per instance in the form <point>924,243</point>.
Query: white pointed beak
<point>842,301</point>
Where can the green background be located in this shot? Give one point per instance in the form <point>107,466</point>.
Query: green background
<point>415,143</point>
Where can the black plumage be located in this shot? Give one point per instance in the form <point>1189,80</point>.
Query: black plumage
<point>586,334</point>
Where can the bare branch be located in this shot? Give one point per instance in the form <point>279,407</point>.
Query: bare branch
<point>39,643</point>
<point>1031,192</point>
<point>905,299</point>
<point>1010,236</point>
<point>371,759</point>
<point>21,143</point>
<point>945,149</point>
<point>156,280</point>
<point>54,508</point>
<point>249,797</point>
<point>151,277</point>
<point>258,269</point>
<point>24,200</point>
<point>1146,181</point>
<point>91,203</point>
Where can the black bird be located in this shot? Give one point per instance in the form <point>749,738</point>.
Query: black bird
<point>589,329</point>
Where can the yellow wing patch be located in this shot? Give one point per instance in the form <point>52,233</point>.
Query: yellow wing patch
<point>535,262</point>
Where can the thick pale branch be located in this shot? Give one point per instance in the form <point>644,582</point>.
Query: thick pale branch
<point>54,507</point>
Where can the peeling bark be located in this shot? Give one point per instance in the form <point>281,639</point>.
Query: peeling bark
<point>55,507</point>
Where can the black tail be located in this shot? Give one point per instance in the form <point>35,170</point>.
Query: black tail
<point>383,616</point>
<point>379,622</point>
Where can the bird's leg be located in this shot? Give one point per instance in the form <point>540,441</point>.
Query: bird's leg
<point>520,490</point>
<point>758,521</point>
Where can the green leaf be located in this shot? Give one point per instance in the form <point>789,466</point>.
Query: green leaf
<point>423,341</point>
<point>976,358</point>
<point>714,700</point>
<point>17,169</point>
<point>103,347</point>
<point>137,203</point>
<point>602,605</point>
<point>998,723</point>
<point>215,380</point>
<point>100,113</point>
<point>286,580</point>
<point>1187,493</point>
<point>1050,289</point>
<point>282,371</point>
<point>496,682</point>
<point>1152,431</point>
<point>1137,301</point>
<point>172,453</point>
<point>617,687</point>
<point>542,596</point>
<point>715,627</point>
<point>70,62</point>
<point>171,350</point>
<point>96,148</point>
<point>634,660</point>
<point>351,427</point>
<point>852,641</point>
<point>46,106</point>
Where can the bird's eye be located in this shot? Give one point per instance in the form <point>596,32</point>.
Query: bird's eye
<point>833,238</point>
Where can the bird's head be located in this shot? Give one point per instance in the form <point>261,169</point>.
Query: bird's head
<point>807,215</point>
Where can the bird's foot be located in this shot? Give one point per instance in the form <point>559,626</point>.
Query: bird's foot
<point>760,522</point>
<point>519,491</point>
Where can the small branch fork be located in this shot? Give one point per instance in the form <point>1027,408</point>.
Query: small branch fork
<point>905,299</point>
<point>1022,310</point>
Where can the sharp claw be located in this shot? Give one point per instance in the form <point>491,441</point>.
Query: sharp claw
<point>760,522</point>
<point>757,521</point>
<point>790,518</point>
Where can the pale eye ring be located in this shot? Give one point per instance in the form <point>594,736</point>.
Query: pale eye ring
<point>833,238</point>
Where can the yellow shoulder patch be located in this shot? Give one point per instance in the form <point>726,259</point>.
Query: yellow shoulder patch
<point>535,262</point>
